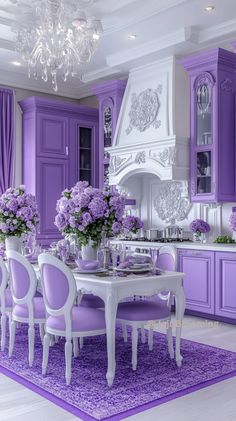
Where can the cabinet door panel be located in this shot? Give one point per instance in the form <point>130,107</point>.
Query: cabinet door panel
<point>198,280</point>
<point>52,179</point>
<point>226,284</point>
<point>53,135</point>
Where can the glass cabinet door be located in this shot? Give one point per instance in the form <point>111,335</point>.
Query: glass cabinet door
<point>107,126</point>
<point>204,115</point>
<point>204,170</point>
<point>85,154</point>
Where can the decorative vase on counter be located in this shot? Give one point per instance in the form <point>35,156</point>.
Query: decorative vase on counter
<point>203,238</point>
<point>90,251</point>
<point>197,237</point>
<point>13,243</point>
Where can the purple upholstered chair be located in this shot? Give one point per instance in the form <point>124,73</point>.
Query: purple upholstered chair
<point>27,308</point>
<point>5,301</point>
<point>138,313</point>
<point>65,319</point>
<point>166,260</point>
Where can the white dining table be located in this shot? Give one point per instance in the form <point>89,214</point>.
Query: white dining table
<point>112,289</point>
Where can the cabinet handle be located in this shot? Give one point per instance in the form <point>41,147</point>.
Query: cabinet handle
<point>67,151</point>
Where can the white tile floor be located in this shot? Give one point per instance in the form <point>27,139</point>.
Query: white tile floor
<point>216,402</point>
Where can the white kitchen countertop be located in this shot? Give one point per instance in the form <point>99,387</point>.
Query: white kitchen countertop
<point>182,245</point>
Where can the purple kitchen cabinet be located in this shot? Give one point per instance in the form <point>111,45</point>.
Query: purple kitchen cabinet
<point>53,132</point>
<point>198,267</point>
<point>52,179</point>
<point>213,164</point>
<point>60,147</point>
<point>226,284</point>
<point>110,96</point>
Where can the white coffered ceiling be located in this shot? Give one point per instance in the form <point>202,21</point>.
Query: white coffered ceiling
<point>162,28</point>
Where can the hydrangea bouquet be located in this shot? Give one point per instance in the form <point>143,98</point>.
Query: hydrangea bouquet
<point>198,226</point>
<point>90,213</point>
<point>18,213</point>
<point>132,224</point>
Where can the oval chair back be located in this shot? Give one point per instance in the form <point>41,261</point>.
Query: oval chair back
<point>23,280</point>
<point>59,288</point>
<point>166,258</point>
<point>3,284</point>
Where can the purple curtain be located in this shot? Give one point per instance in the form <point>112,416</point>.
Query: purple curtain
<point>7,119</point>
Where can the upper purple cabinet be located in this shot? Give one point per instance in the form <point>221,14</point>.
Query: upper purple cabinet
<point>213,164</point>
<point>110,96</point>
<point>53,130</point>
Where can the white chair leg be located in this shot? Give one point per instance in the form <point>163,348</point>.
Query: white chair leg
<point>68,356</point>
<point>12,337</point>
<point>31,336</point>
<point>56,339</point>
<point>150,339</point>
<point>134,347</point>
<point>75,347</point>
<point>3,331</point>
<point>52,340</point>
<point>81,342</point>
<point>46,346</point>
<point>170,342</point>
<point>41,332</point>
<point>124,332</point>
<point>143,335</point>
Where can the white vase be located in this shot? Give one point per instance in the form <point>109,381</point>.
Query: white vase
<point>89,252</point>
<point>13,243</point>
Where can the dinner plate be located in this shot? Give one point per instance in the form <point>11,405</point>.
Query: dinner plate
<point>100,270</point>
<point>140,266</point>
<point>133,270</point>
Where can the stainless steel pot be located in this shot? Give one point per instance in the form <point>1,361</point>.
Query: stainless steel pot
<point>152,233</point>
<point>173,231</point>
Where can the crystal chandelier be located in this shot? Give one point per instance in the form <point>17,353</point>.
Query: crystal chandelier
<point>55,37</point>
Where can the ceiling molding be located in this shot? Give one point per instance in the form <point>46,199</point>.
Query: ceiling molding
<point>139,14</point>
<point>5,21</point>
<point>7,45</point>
<point>16,81</point>
<point>172,39</point>
<point>99,74</point>
<point>217,31</point>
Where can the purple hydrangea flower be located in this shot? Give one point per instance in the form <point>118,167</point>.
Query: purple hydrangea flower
<point>132,223</point>
<point>18,212</point>
<point>199,226</point>
<point>90,212</point>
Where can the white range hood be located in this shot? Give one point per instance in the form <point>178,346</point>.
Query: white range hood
<point>153,126</point>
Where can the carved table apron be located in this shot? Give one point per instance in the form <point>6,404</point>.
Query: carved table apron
<point>114,289</point>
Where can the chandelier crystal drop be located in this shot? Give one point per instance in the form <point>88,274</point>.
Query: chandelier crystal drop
<point>55,37</point>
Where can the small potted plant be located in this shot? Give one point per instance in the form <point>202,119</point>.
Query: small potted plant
<point>131,224</point>
<point>199,229</point>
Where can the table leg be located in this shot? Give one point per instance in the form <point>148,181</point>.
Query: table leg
<point>110,316</point>
<point>179,311</point>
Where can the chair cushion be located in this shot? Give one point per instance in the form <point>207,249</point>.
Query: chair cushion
<point>84,319</point>
<point>90,300</point>
<point>8,298</point>
<point>21,310</point>
<point>136,311</point>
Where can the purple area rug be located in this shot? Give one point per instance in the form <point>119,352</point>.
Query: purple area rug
<point>157,379</point>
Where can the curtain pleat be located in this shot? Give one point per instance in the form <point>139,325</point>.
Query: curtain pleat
<point>7,119</point>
